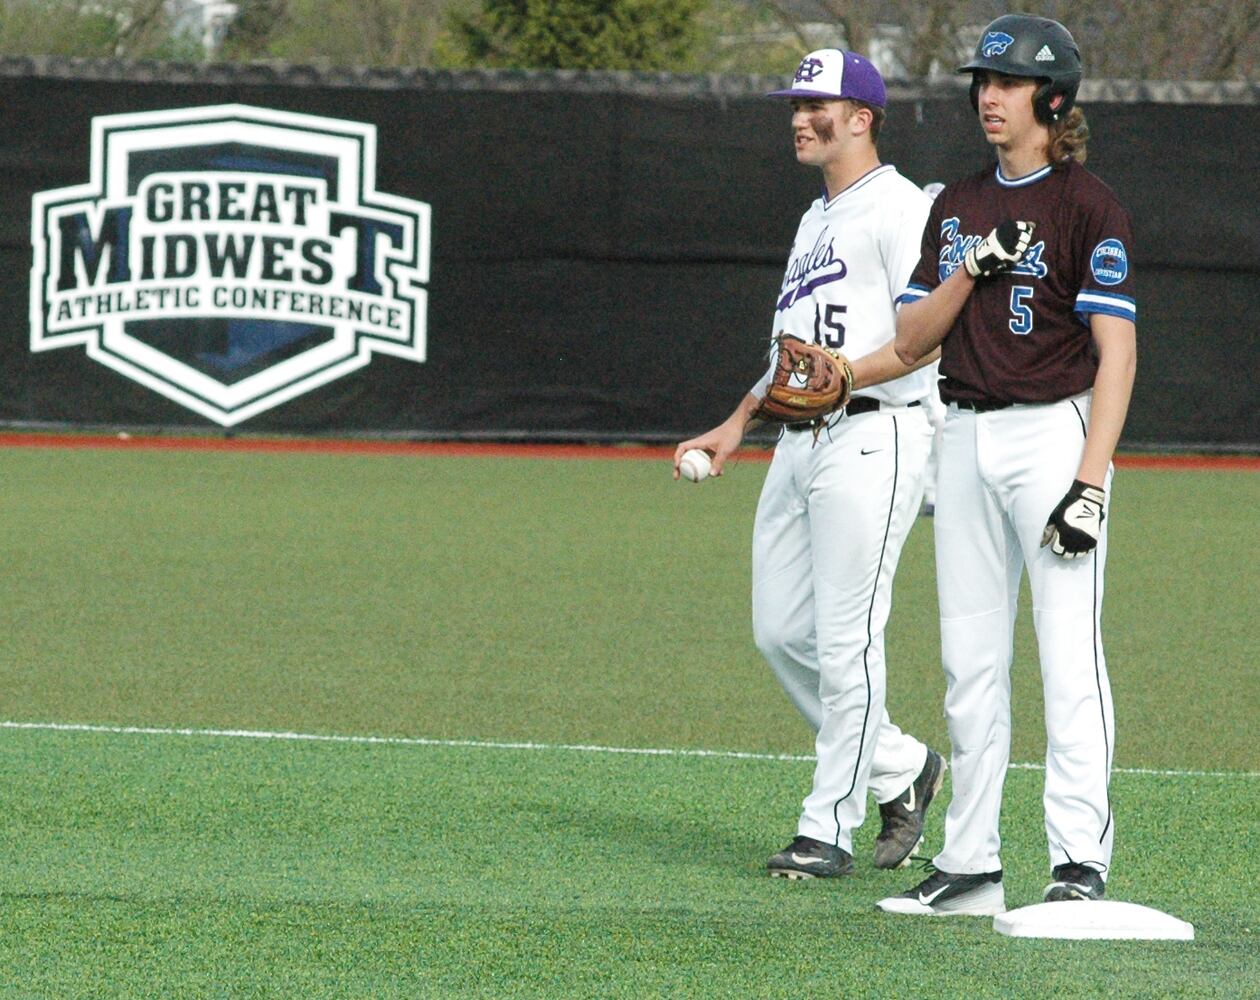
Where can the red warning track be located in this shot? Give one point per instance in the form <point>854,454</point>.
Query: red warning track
<point>328,446</point>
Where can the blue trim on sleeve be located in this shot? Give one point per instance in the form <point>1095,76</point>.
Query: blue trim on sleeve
<point>1105,303</point>
<point>1083,314</point>
<point>912,294</point>
<point>1093,294</point>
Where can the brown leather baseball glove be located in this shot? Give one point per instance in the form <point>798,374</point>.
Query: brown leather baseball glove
<point>809,382</point>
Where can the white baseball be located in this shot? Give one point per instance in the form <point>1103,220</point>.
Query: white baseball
<point>695,465</point>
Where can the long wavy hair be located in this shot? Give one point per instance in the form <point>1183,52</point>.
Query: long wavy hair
<point>1068,137</point>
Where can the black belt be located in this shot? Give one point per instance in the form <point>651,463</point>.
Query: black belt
<point>858,404</point>
<point>982,405</point>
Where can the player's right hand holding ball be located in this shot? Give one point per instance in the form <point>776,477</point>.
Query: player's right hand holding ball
<point>695,465</point>
<point>716,446</point>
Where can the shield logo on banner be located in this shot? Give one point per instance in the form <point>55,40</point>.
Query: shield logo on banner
<point>230,257</point>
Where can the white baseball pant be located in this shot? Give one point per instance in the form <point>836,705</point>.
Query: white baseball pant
<point>1001,474</point>
<point>830,526</point>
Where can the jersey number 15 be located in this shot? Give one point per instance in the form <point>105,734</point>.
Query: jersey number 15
<point>828,329</point>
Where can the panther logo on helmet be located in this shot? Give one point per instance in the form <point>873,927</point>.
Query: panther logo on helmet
<point>995,43</point>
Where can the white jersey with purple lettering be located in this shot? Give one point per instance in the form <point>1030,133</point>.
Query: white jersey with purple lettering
<point>852,257</point>
<point>839,500</point>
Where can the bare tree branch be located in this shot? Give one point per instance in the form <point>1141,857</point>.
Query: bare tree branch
<point>139,22</point>
<point>789,21</point>
<point>1239,23</point>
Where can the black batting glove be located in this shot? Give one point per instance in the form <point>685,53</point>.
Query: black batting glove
<point>1001,250</point>
<point>1075,524</point>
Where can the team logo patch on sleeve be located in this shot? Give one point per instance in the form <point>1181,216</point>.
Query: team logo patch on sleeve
<point>1110,263</point>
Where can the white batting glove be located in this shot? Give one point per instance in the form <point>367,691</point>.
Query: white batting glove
<point>1075,524</point>
<point>1001,250</point>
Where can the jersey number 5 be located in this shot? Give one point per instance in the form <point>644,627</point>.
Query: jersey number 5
<point>1021,312</point>
<point>833,335</point>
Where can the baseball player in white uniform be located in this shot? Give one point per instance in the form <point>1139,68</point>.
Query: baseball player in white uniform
<point>842,493</point>
<point>1025,286</point>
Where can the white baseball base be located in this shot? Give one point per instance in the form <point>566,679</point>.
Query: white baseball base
<point>1101,919</point>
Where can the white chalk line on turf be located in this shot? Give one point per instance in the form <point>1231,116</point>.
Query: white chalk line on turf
<point>416,741</point>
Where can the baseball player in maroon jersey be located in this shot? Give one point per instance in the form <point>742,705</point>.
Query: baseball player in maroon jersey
<point>1025,283</point>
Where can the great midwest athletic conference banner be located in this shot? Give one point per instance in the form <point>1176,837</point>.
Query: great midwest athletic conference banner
<point>230,257</point>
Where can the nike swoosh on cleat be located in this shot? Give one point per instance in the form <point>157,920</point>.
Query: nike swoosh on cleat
<point>910,805</point>
<point>806,859</point>
<point>927,900</point>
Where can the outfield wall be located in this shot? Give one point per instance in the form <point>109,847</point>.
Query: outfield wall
<point>557,256</point>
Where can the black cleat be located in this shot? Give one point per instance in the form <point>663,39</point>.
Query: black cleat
<point>806,857</point>
<point>902,831</point>
<point>1074,882</point>
<point>943,894</point>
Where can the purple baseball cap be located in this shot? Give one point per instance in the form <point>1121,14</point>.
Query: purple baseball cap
<point>832,74</point>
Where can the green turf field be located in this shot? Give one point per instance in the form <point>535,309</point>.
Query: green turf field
<point>574,606</point>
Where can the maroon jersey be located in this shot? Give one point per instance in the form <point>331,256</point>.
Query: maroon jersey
<point>1023,336</point>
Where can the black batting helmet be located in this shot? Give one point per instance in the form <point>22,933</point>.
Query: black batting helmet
<point>1031,46</point>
